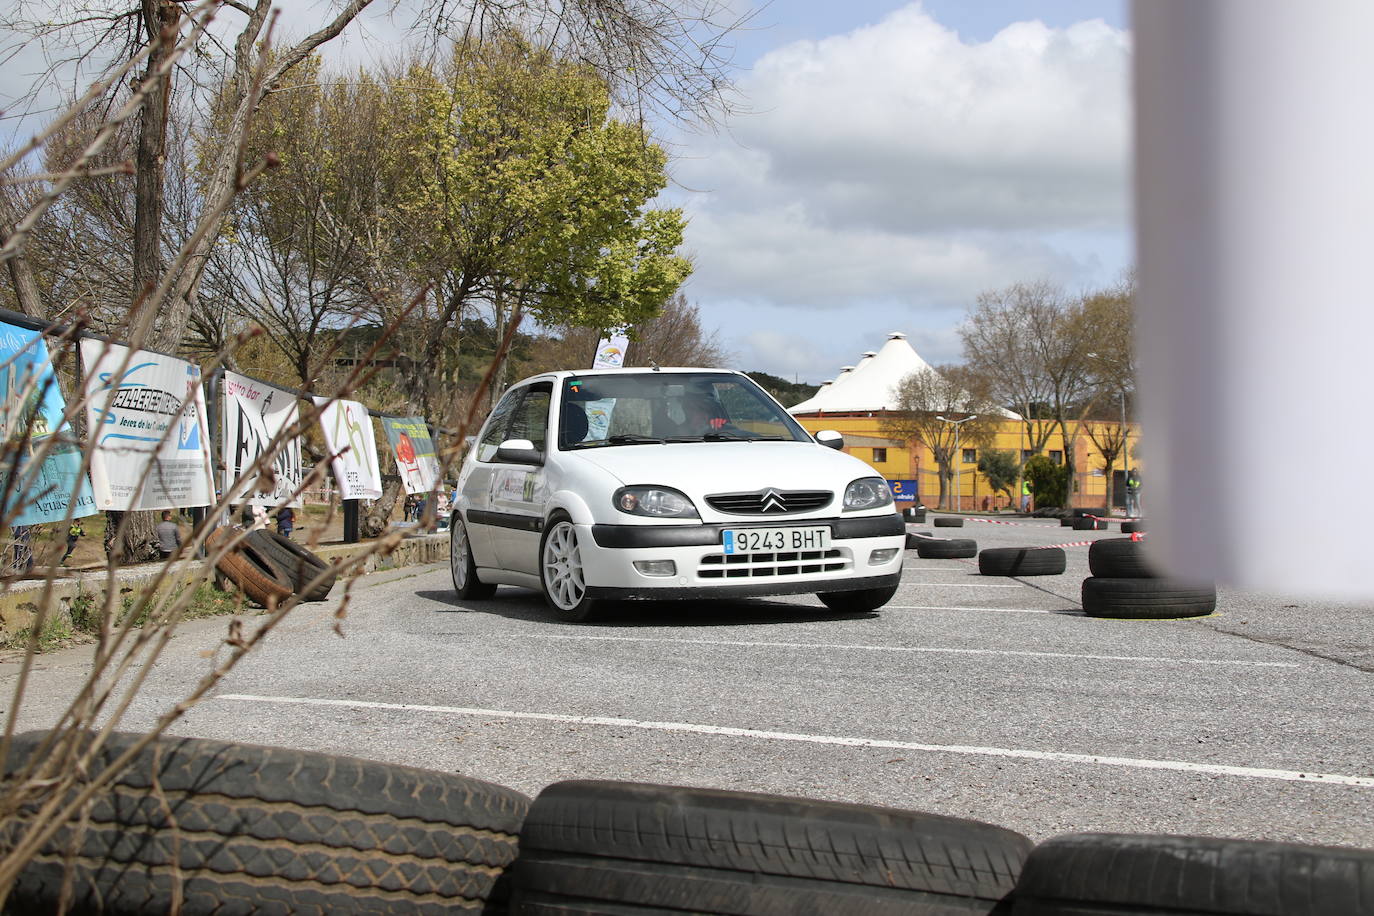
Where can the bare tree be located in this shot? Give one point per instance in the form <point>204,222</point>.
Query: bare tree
<point>929,403</point>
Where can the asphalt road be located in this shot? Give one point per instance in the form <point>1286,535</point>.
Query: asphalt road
<point>988,698</point>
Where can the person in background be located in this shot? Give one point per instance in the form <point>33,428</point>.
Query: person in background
<point>1133,493</point>
<point>1025,496</point>
<point>286,521</point>
<point>74,534</point>
<point>168,535</point>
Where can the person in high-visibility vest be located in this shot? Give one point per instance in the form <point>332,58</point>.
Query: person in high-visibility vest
<point>74,533</point>
<point>1025,496</point>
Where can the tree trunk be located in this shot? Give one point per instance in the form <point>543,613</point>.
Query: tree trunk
<point>21,274</point>
<point>139,541</point>
<point>374,523</point>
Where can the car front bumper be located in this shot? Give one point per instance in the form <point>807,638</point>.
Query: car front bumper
<point>701,569</point>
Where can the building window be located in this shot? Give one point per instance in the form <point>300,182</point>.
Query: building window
<point>879,455</point>
<point>970,456</point>
<point>1056,456</point>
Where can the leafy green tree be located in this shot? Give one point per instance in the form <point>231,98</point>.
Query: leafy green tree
<point>1000,468</point>
<point>1049,482</point>
<point>787,393</point>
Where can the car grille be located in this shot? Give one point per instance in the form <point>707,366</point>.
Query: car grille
<point>770,502</point>
<point>759,565</point>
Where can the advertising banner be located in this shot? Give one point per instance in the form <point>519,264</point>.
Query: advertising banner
<point>416,458</point>
<point>31,401</point>
<point>254,414</point>
<point>903,490</point>
<point>145,409</point>
<point>610,352</point>
<point>352,450</point>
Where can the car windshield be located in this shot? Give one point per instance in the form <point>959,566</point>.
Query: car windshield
<point>653,408</point>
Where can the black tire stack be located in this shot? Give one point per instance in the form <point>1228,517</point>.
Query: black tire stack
<point>946,548</point>
<point>1123,585</point>
<point>948,521</point>
<point>611,847</point>
<point>269,568</point>
<point>240,828</point>
<point>1022,561</point>
<point>1088,523</point>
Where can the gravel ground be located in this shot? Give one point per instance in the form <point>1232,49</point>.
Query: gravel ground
<point>989,698</point>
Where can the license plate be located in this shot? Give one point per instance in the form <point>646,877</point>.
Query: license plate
<point>774,540</point>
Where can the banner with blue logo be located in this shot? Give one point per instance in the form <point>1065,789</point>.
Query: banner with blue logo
<point>903,490</point>
<point>146,422</point>
<point>32,427</point>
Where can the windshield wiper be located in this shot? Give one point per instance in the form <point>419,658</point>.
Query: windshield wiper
<point>622,439</point>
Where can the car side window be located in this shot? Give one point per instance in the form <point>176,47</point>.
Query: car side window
<point>531,419</point>
<point>495,432</point>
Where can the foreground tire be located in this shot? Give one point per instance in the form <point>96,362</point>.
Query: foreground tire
<point>241,829</point>
<point>857,602</point>
<point>461,565</point>
<point>300,565</point>
<point>248,568</point>
<point>626,848</point>
<point>947,549</point>
<point>1022,561</point>
<point>560,572</point>
<point>948,522</point>
<point>915,537</point>
<point>1147,598</point>
<point>1119,558</point>
<point>1108,874</point>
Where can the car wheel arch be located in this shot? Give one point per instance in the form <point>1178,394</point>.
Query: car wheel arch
<point>571,505</point>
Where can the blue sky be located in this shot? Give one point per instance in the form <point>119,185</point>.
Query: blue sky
<point>899,158</point>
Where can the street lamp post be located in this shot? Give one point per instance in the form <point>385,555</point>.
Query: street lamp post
<point>958,457</point>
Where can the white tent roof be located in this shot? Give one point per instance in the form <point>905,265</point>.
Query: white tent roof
<point>870,384</point>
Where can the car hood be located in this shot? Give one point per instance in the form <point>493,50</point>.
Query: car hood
<point>699,468</point>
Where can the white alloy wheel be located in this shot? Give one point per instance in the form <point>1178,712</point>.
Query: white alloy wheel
<point>560,566</point>
<point>461,565</point>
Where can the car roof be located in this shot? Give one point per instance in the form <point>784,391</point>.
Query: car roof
<point>586,373</point>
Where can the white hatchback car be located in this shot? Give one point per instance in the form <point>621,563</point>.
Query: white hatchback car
<point>667,483</point>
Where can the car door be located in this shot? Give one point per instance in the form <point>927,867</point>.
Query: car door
<point>519,492</point>
<point>476,488</point>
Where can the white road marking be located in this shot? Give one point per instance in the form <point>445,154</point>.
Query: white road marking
<point>990,610</point>
<point>748,644</point>
<point>1364,782</point>
<point>965,584</point>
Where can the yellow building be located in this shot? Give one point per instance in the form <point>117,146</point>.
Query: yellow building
<point>856,401</point>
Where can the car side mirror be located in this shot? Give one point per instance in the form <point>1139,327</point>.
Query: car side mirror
<point>519,451</point>
<point>830,439</point>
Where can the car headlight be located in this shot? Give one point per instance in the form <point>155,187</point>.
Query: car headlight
<point>655,502</point>
<point>867,493</point>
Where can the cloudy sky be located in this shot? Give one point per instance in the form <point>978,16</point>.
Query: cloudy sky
<point>898,158</point>
<point>893,160</point>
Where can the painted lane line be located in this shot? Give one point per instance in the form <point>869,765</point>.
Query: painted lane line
<point>1364,782</point>
<point>990,610</point>
<point>748,644</point>
<point>963,585</point>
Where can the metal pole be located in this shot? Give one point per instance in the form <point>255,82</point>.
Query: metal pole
<point>958,459</point>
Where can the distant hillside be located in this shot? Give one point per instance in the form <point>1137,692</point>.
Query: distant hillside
<point>787,393</point>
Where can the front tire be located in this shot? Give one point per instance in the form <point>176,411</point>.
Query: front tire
<point>857,602</point>
<point>561,573</point>
<point>462,566</point>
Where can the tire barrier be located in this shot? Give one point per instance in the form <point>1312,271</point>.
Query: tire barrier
<point>913,514</point>
<point>1155,599</point>
<point>231,827</point>
<point>1088,523</point>
<point>1066,522</point>
<point>1097,512</point>
<point>1136,526</point>
<point>1106,874</point>
<point>1022,561</point>
<point>607,847</point>
<point>948,522</point>
<point>1119,558</point>
<point>946,548</point>
<point>913,538</point>
<point>247,567</point>
<point>300,565</point>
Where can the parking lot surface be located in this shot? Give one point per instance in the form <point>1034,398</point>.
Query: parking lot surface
<point>982,697</point>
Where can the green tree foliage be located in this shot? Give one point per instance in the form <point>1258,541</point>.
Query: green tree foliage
<point>1000,468</point>
<point>787,393</point>
<point>1049,482</point>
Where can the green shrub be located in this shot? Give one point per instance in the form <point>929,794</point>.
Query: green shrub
<point>1049,482</point>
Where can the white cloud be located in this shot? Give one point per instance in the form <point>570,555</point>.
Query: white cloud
<point>898,165</point>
